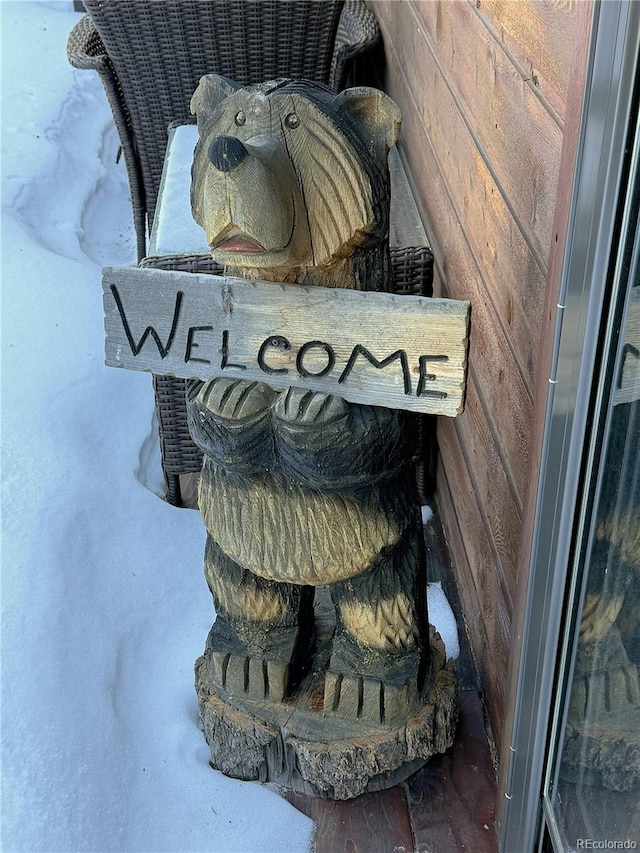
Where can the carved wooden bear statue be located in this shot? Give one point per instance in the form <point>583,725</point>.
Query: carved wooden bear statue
<point>302,491</point>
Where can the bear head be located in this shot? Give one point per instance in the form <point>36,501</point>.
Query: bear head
<point>290,174</point>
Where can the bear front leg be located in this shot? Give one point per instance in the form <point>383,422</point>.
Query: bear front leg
<point>379,657</point>
<point>327,443</point>
<point>260,639</point>
<point>230,420</point>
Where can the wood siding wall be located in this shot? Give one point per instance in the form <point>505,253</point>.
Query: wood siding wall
<point>483,90</point>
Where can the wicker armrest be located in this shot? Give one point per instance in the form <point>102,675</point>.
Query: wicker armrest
<point>357,32</point>
<point>85,48</point>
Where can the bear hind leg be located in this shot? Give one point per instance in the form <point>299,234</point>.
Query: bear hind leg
<point>379,655</point>
<point>259,646</point>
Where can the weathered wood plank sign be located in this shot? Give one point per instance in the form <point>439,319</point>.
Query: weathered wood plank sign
<point>403,352</point>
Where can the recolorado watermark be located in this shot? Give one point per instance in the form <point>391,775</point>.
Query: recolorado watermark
<point>594,844</point>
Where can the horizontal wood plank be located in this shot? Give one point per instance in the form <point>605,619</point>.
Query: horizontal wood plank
<point>510,272</point>
<point>489,671</point>
<point>514,132</point>
<point>496,497</point>
<point>502,386</point>
<point>405,352</point>
<point>482,85</point>
<point>477,540</point>
<point>504,391</point>
<point>540,35</point>
<point>371,823</point>
<point>480,589</point>
<point>452,799</point>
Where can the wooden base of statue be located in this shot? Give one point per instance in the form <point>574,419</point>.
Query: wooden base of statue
<point>307,747</point>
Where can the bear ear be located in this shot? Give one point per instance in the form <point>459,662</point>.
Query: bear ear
<point>212,90</point>
<point>374,111</point>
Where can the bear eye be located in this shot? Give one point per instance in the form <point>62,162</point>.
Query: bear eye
<point>240,118</point>
<point>292,120</point>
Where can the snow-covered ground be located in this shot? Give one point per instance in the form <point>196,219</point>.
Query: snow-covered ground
<point>104,604</point>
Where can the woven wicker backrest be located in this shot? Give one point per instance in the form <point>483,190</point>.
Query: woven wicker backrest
<point>159,51</point>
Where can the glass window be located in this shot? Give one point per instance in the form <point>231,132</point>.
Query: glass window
<point>595,793</point>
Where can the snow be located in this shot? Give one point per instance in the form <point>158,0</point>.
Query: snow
<point>104,607</point>
<point>442,618</point>
<point>175,231</point>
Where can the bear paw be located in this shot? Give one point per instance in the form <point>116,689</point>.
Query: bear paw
<point>297,406</point>
<point>248,678</point>
<point>234,400</point>
<point>372,700</point>
<point>230,420</point>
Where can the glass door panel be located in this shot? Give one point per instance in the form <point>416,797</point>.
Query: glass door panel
<point>593,794</point>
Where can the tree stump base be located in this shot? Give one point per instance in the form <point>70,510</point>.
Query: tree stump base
<point>300,746</point>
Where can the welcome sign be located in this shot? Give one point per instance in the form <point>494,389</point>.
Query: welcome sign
<point>402,352</point>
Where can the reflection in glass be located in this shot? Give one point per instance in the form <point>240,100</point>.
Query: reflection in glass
<point>597,794</point>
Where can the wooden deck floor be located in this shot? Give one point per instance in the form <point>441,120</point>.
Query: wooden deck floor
<point>449,805</point>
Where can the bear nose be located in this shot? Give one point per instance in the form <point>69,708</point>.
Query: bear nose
<point>226,153</point>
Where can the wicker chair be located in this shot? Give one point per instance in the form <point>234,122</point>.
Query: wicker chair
<point>150,56</point>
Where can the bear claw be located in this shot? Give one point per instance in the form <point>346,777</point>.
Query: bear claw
<point>303,407</point>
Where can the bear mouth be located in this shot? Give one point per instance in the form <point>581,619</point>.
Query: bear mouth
<point>239,244</point>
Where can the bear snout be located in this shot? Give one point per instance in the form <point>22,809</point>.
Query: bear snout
<point>226,153</point>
